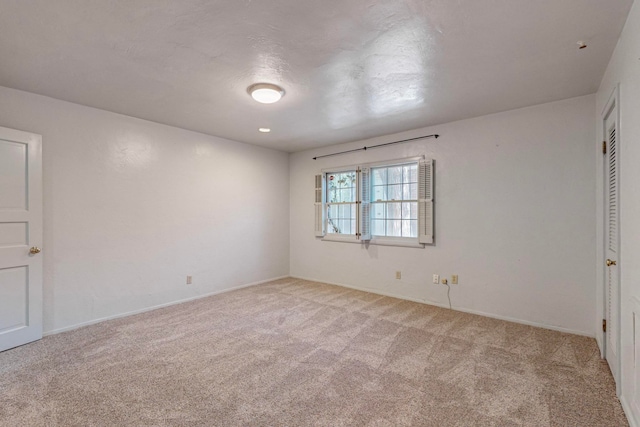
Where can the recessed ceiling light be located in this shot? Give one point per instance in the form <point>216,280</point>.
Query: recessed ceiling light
<point>266,93</point>
<point>264,130</point>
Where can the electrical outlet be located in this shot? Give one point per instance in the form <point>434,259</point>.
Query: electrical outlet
<point>398,275</point>
<point>454,279</point>
<point>436,278</point>
<point>444,281</point>
<point>189,280</point>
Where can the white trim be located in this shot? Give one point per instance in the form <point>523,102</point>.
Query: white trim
<point>464,310</point>
<point>612,103</point>
<point>613,100</point>
<point>632,418</point>
<point>632,409</point>
<point>15,135</point>
<point>392,162</point>
<point>155,307</point>
<point>344,238</point>
<point>378,240</point>
<point>410,242</point>
<point>395,162</point>
<point>349,168</point>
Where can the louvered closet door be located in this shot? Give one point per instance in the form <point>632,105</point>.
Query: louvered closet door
<point>612,233</point>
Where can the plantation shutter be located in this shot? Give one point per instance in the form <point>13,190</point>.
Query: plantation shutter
<point>364,204</point>
<point>425,201</point>
<point>319,205</point>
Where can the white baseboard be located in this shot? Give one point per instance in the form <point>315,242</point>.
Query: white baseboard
<point>632,417</point>
<point>464,310</point>
<point>155,307</point>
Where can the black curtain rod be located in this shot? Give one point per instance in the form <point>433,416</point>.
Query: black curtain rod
<point>376,146</point>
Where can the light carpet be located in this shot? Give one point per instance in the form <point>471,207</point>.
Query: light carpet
<point>299,353</point>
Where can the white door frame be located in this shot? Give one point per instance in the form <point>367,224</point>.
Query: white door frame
<point>611,107</point>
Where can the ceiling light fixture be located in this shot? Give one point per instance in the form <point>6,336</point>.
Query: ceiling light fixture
<point>264,130</point>
<point>265,93</point>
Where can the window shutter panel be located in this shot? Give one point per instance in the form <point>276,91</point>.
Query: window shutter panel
<point>364,199</point>
<point>319,206</point>
<point>425,201</point>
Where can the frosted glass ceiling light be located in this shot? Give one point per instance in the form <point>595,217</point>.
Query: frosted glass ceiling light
<point>265,93</point>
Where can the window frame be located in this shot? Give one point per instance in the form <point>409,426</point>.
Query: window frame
<point>394,239</point>
<point>335,236</point>
<point>411,242</point>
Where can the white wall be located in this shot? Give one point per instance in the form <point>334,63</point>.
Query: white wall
<point>624,69</point>
<point>514,204</point>
<point>133,207</point>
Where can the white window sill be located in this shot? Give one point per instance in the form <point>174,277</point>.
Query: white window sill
<point>389,241</point>
<point>346,238</point>
<point>381,241</point>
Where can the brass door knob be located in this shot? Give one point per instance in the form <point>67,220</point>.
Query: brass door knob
<point>610,262</point>
<point>34,250</point>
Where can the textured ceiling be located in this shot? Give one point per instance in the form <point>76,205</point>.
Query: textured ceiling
<point>351,69</point>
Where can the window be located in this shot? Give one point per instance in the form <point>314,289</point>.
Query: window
<point>394,201</point>
<point>385,203</point>
<point>341,202</point>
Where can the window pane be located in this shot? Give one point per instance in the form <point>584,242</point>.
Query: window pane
<point>345,179</point>
<point>410,173</point>
<point>332,225</point>
<point>341,218</point>
<point>377,227</point>
<point>394,175</point>
<point>333,211</point>
<point>414,210</point>
<point>379,193</point>
<point>337,183</point>
<point>394,228</point>
<point>379,176</point>
<point>394,192</point>
<point>393,211</point>
<point>332,195</point>
<point>409,228</point>
<point>409,191</point>
<point>377,210</point>
<point>406,210</point>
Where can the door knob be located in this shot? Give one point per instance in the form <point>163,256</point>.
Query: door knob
<point>610,262</point>
<point>34,250</point>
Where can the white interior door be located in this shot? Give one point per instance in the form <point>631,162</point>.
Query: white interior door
<point>612,242</point>
<point>20,238</point>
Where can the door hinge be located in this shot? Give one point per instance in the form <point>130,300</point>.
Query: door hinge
<point>604,147</point>
<point>604,325</point>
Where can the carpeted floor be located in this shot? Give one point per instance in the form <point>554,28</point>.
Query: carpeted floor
<point>297,353</point>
